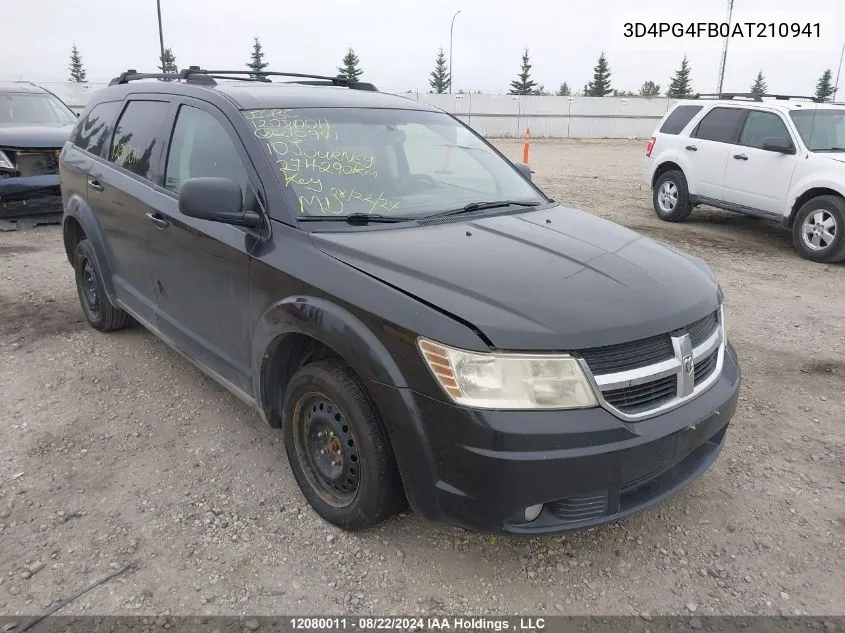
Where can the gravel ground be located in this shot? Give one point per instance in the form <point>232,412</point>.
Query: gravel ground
<point>115,451</point>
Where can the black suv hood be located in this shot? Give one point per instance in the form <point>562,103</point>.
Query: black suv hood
<point>555,279</point>
<point>41,136</point>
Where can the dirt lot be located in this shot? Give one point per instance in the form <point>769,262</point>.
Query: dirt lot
<point>114,450</point>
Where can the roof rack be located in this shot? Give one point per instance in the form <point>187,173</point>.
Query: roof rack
<point>750,96</point>
<point>200,76</point>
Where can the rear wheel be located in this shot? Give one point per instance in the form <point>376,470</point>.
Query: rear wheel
<point>98,310</point>
<point>670,197</point>
<point>337,447</point>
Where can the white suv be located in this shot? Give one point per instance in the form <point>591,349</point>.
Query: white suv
<point>777,158</point>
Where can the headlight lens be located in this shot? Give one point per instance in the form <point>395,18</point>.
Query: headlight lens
<point>5,161</point>
<point>508,381</point>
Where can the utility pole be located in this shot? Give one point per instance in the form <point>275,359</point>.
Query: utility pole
<point>725,48</point>
<point>160,34</point>
<point>451,30</point>
<point>838,72</point>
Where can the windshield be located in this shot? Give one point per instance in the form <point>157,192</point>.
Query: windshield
<point>33,108</point>
<point>409,163</point>
<point>822,130</point>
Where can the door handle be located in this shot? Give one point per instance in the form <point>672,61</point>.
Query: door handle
<point>159,220</point>
<point>96,185</point>
<point>740,156</point>
<point>691,148</point>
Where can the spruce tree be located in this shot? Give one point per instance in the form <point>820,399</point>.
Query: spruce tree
<point>440,78</point>
<point>350,69</point>
<point>649,89</point>
<point>256,61</point>
<point>600,85</point>
<point>681,87</point>
<point>77,70</point>
<point>523,84</point>
<point>824,86</point>
<point>168,63</point>
<point>565,90</point>
<point>759,87</point>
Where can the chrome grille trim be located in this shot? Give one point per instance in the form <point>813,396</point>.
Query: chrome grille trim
<point>673,366</point>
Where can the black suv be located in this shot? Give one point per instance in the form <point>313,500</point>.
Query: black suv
<point>418,318</point>
<point>34,125</point>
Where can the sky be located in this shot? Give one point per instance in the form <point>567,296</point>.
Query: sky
<point>397,41</point>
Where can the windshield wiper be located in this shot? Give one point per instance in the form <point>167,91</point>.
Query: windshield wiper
<point>354,218</point>
<point>480,206</point>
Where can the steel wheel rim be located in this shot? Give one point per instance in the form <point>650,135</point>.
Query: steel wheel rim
<point>667,196</point>
<point>327,449</point>
<point>819,229</point>
<point>90,288</point>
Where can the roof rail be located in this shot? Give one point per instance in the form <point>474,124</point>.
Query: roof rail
<point>200,76</point>
<point>750,96</point>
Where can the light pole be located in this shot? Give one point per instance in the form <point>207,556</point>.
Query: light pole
<point>160,34</point>
<point>451,30</point>
<point>836,85</point>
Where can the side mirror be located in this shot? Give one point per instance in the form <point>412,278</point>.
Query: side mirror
<point>217,200</point>
<point>524,169</point>
<point>778,144</point>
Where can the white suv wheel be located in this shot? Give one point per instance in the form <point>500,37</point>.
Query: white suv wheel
<point>667,197</point>
<point>819,229</point>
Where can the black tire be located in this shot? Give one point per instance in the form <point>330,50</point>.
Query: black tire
<point>670,197</point>
<point>818,233</point>
<point>96,307</point>
<point>348,474</point>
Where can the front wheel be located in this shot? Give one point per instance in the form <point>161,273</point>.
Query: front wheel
<point>337,447</point>
<point>670,197</point>
<point>818,232</point>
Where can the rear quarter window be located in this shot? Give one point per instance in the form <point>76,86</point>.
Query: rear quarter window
<point>679,118</point>
<point>93,131</point>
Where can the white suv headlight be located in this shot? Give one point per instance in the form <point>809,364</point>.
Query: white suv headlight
<point>508,381</point>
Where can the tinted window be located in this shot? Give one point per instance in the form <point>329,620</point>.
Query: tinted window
<point>760,126</point>
<point>135,136</point>
<point>679,118</point>
<point>201,147</point>
<point>94,130</point>
<point>720,124</point>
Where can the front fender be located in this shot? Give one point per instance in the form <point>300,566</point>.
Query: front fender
<point>828,179</point>
<point>387,387</point>
<point>78,209</point>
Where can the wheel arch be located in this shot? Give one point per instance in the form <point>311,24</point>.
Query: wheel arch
<point>78,223</point>
<point>662,168</point>
<point>805,197</point>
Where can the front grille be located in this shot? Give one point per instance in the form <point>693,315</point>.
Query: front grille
<point>614,358</point>
<point>701,330</point>
<point>32,162</point>
<point>704,367</point>
<point>639,398</point>
<point>580,507</point>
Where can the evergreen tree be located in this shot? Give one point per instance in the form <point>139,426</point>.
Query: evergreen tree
<point>77,70</point>
<point>564,90</point>
<point>600,85</point>
<point>759,86</point>
<point>440,78</point>
<point>623,93</point>
<point>350,69</point>
<point>168,63</point>
<point>523,84</point>
<point>256,61</point>
<point>824,86</point>
<point>649,89</point>
<point>680,87</point>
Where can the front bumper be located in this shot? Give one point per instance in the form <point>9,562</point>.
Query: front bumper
<point>30,195</point>
<point>586,466</point>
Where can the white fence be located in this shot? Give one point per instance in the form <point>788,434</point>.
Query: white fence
<point>506,115</point>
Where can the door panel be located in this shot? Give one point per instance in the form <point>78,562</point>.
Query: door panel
<point>119,192</point>
<point>755,177</point>
<point>709,147</point>
<point>200,269</point>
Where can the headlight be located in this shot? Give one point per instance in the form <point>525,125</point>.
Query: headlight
<point>5,161</point>
<point>508,381</point>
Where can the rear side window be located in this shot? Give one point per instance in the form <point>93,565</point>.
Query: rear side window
<point>136,136</point>
<point>679,118</point>
<point>93,132</point>
<point>762,125</point>
<point>721,124</point>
